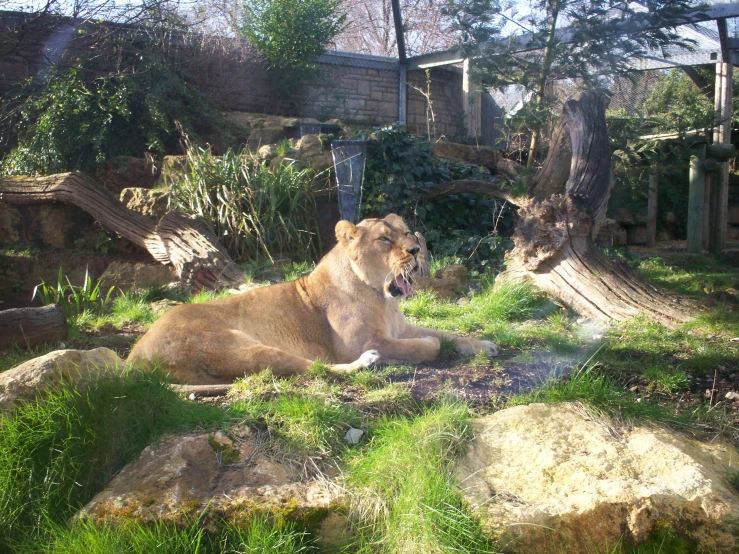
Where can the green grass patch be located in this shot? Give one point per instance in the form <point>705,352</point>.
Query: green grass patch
<point>302,424</point>
<point>405,499</point>
<point>691,274</point>
<point>261,535</point>
<point>56,452</point>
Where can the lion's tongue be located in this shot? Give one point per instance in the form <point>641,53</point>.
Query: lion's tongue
<point>402,284</point>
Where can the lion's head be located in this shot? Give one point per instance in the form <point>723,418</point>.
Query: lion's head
<point>383,253</point>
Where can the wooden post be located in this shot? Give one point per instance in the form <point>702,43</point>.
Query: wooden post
<point>472,102</point>
<point>720,178</point>
<point>695,199</point>
<point>652,207</point>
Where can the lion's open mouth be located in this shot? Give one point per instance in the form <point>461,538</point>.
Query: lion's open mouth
<point>400,286</point>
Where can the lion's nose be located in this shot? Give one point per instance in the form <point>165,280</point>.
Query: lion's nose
<point>413,250</point>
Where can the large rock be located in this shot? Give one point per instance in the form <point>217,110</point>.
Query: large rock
<point>226,473</point>
<point>260,137</point>
<point>448,283</point>
<point>40,225</point>
<point>138,275</point>
<point>555,478</point>
<point>486,156</point>
<point>150,202</point>
<point>41,374</point>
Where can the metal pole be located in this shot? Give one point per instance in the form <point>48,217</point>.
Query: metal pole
<point>695,199</point>
<point>652,207</point>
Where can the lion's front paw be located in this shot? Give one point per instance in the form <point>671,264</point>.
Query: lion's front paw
<point>470,347</point>
<point>367,359</point>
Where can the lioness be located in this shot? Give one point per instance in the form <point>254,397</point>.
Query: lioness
<point>346,313</point>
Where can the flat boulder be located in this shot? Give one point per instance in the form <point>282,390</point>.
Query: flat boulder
<point>149,202</point>
<point>47,372</point>
<point>558,478</point>
<point>227,473</point>
<point>138,275</point>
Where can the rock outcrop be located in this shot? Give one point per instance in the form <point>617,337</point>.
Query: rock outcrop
<point>557,478</point>
<point>138,275</point>
<point>227,473</point>
<point>149,202</point>
<point>46,372</point>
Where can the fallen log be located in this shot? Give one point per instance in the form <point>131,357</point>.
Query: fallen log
<point>461,186</point>
<point>188,245</point>
<point>31,326</point>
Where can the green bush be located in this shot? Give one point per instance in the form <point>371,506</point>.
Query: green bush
<point>84,114</point>
<point>292,34</point>
<point>401,167</point>
<point>258,210</point>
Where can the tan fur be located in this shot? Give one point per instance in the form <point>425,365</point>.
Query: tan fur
<point>342,313</point>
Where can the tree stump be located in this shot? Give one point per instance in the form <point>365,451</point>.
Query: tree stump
<point>567,203</point>
<point>31,326</point>
<point>185,243</point>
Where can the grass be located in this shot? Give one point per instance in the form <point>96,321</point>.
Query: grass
<point>419,509</point>
<point>260,535</point>
<point>302,425</point>
<point>56,452</point>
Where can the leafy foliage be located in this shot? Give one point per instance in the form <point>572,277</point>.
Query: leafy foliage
<point>402,167</point>
<point>258,210</point>
<point>74,300</point>
<point>602,36</point>
<point>83,113</point>
<point>292,34</point>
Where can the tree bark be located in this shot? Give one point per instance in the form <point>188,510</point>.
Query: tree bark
<point>188,245</point>
<point>31,326</point>
<point>553,236</point>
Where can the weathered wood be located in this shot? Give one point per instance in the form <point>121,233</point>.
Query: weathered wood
<point>553,236</point>
<point>487,188</point>
<point>188,245</point>
<point>721,150</point>
<point>31,326</point>
<point>652,207</point>
<point>471,102</point>
<point>696,198</point>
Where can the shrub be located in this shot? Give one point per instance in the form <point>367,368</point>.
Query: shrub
<point>257,210</point>
<point>401,167</point>
<point>292,34</point>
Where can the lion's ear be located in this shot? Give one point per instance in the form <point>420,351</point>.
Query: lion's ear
<point>346,232</point>
<point>394,218</point>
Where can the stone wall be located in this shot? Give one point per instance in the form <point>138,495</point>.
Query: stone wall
<point>352,87</point>
<point>446,103</point>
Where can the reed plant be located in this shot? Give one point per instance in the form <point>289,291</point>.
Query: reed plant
<point>259,210</point>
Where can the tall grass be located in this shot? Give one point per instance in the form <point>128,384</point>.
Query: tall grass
<point>56,452</point>
<point>261,535</point>
<point>73,299</point>
<point>258,210</point>
<point>405,499</point>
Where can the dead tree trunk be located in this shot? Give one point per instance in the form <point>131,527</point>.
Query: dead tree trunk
<point>189,246</point>
<point>30,326</point>
<point>553,237</point>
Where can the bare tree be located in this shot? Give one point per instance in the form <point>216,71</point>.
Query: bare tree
<point>370,27</point>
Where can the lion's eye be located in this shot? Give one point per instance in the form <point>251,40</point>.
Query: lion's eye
<point>386,239</point>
